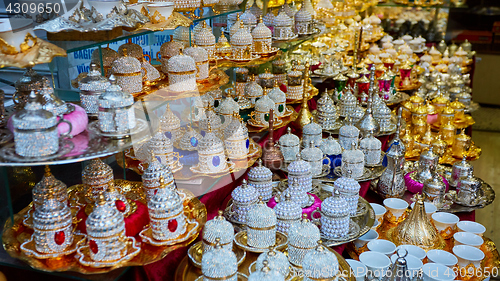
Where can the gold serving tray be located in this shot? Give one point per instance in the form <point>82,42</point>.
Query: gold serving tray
<point>227,63</point>
<point>14,235</point>
<point>186,174</point>
<point>285,122</point>
<point>160,92</point>
<point>174,20</point>
<point>186,271</point>
<point>41,52</point>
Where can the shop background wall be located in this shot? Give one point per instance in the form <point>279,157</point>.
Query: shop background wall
<point>487,80</point>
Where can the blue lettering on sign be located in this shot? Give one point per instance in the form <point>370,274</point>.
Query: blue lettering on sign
<point>83,54</point>
<point>82,68</point>
<point>160,39</point>
<point>141,40</point>
<point>150,53</point>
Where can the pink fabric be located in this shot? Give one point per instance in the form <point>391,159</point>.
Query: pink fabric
<point>415,186</point>
<point>78,119</point>
<point>317,204</point>
<point>432,118</point>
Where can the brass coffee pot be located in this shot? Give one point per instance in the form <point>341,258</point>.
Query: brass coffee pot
<point>272,157</point>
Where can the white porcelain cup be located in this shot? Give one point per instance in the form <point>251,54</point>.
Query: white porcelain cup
<point>385,247</point>
<point>467,255</point>
<point>429,208</point>
<point>442,257</point>
<point>164,8</point>
<point>396,206</point>
<point>376,263</point>
<point>376,223</point>
<point>437,272</point>
<point>444,220</point>
<point>468,238</point>
<point>412,250</point>
<point>358,268</point>
<point>472,227</point>
<point>14,30</point>
<point>413,263</point>
<point>367,237</point>
<point>104,7</point>
<point>379,211</point>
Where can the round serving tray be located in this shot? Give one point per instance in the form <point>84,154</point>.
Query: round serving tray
<point>15,234</point>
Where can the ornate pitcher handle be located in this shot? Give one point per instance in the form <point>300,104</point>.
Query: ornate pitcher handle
<point>148,56</point>
<point>68,133</point>
<point>327,158</point>
<point>145,75</point>
<point>316,220</point>
<point>158,56</point>
<point>197,71</point>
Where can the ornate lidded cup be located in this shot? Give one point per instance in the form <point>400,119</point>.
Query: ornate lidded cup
<point>301,171</point>
<point>49,186</point>
<point>253,90</point>
<point>35,130</point>
<point>241,44</point>
<point>261,226</point>
<point>219,264</point>
<point>303,22</point>
<point>97,176</point>
<point>302,237</point>
<point>166,214</point>
<point>218,228</point>
<point>153,173</point>
<point>312,132</point>
<point>266,274</point>
<point>105,232</point>
<point>275,259</point>
<point>295,88</point>
<point>289,145</point>
<point>116,111</point>
<point>170,124</point>
<point>211,154</point>
<point>334,217</point>
<point>200,56</point>
<point>91,87</point>
<point>279,98</point>
<point>314,156</point>
<point>168,50</point>
<point>189,141</point>
<point>236,139</point>
<point>320,264</point>
<point>128,73</point>
<point>348,134</point>
<point>287,212</point>
<point>262,38</point>
<point>372,149</point>
<point>182,72</point>
<point>52,226</point>
<point>261,178</point>
<point>348,189</point>
<point>244,197</point>
<point>353,160</point>
<point>205,39</point>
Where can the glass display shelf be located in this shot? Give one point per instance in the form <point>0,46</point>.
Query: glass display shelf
<point>75,46</point>
<point>88,144</point>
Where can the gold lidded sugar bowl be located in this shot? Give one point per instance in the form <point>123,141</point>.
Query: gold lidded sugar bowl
<point>108,56</point>
<point>262,37</point>
<point>241,44</point>
<point>30,81</point>
<point>97,176</point>
<point>206,40</point>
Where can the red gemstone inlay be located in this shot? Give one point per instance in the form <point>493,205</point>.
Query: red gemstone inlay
<point>93,246</point>
<point>120,205</point>
<point>59,237</point>
<point>172,225</point>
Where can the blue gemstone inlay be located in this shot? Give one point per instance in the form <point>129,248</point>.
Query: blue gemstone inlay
<point>248,143</point>
<point>168,135</point>
<point>216,161</point>
<point>194,141</point>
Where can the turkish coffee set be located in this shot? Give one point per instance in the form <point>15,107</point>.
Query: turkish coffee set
<point>104,223</point>
<point>269,230</point>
